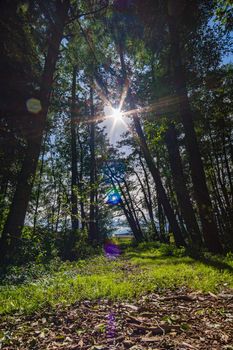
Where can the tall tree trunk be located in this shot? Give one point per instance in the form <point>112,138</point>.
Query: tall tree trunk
<point>74,158</point>
<point>58,207</point>
<point>158,182</point>
<point>181,190</point>
<point>132,208</point>
<point>80,185</point>
<point>210,232</point>
<point>39,189</point>
<point>149,207</point>
<point>93,230</point>
<point>149,200</point>
<point>151,164</point>
<point>15,220</point>
<point>163,234</point>
<point>227,165</point>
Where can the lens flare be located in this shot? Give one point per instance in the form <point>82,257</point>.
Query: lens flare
<point>111,326</point>
<point>112,251</point>
<point>117,114</point>
<point>33,105</point>
<point>113,197</point>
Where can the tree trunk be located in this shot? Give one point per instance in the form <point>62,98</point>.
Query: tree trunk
<point>126,209</point>
<point>80,185</point>
<point>134,214</point>
<point>151,165</point>
<point>134,225</point>
<point>210,232</point>
<point>15,220</point>
<point>149,201</point>
<point>181,190</point>
<point>58,207</point>
<point>93,229</point>
<point>158,182</point>
<point>39,188</point>
<point>149,207</point>
<point>74,158</point>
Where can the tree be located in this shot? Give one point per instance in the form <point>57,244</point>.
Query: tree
<point>16,216</point>
<point>181,190</point>
<point>150,163</point>
<point>210,232</point>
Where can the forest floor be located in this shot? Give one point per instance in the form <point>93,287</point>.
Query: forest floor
<point>146,298</point>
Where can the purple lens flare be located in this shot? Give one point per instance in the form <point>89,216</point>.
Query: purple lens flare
<point>111,326</point>
<point>111,250</point>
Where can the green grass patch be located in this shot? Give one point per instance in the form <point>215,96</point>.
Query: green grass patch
<point>141,269</point>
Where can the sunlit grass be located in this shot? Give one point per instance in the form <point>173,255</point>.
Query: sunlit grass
<point>141,270</point>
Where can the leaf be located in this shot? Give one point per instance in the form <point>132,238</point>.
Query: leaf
<point>184,327</point>
<point>43,320</point>
<point>80,343</point>
<point>150,339</point>
<point>130,306</point>
<point>101,327</point>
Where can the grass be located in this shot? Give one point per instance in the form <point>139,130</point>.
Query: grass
<point>139,270</point>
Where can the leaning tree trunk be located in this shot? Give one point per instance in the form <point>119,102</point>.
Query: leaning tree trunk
<point>136,230</point>
<point>150,203</point>
<point>131,206</point>
<point>181,190</point>
<point>15,220</point>
<point>158,182</point>
<point>210,232</point>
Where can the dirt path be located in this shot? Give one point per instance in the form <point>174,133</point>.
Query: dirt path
<point>176,319</point>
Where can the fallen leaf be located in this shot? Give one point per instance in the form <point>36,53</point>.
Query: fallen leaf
<point>130,306</point>
<point>150,339</point>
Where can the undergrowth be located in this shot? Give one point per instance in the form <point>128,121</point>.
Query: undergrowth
<point>140,269</point>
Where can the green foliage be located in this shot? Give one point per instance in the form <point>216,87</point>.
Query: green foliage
<point>83,248</point>
<point>15,275</point>
<point>171,250</point>
<point>79,248</point>
<point>224,13</point>
<point>36,248</point>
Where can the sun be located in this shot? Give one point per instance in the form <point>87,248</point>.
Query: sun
<point>117,114</point>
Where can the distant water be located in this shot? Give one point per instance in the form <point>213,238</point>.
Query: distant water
<point>122,231</point>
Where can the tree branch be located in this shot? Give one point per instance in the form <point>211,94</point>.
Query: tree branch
<point>79,15</point>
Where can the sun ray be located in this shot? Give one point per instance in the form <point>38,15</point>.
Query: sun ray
<point>101,94</point>
<point>165,105</point>
<point>124,94</point>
